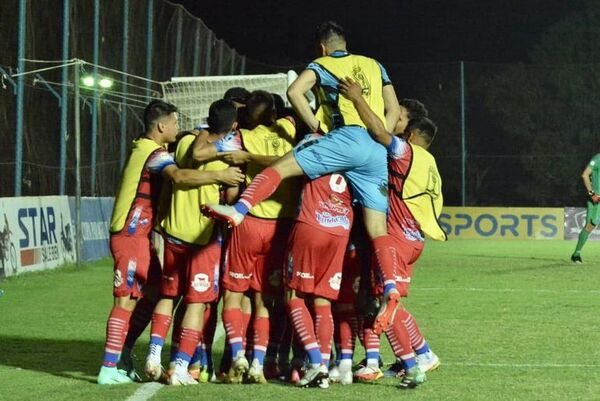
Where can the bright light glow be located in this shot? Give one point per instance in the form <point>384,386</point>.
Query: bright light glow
<point>105,83</point>
<point>88,81</point>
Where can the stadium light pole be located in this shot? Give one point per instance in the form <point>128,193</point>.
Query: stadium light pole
<point>77,127</point>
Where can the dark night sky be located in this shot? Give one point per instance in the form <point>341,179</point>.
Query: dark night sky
<point>280,32</point>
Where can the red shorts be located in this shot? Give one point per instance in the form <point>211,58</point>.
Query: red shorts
<point>255,256</point>
<point>136,265</point>
<point>407,252</point>
<point>350,278</point>
<point>315,259</point>
<point>191,271</point>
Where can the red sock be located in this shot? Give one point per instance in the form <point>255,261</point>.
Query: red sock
<point>261,337</point>
<point>324,330</point>
<point>232,320</point>
<point>246,333</point>
<point>416,338</point>
<point>347,327</point>
<point>160,326</point>
<point>399,339</point>
<point>387,260</point>
<point>189,341</point>
<point>303,324</point>
<point>116,329</point>
<point>262,186</point>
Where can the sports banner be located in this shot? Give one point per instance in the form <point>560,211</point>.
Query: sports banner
<point>575,221</point>
<point>512,223</point>
<point>95,220</point>
<point>36,233</point>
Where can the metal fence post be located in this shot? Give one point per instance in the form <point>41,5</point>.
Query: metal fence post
<point>19,131</point>
<point>124,67</point>
<point>64,98</point>
<point>463,140</point>
<point>95,59</point>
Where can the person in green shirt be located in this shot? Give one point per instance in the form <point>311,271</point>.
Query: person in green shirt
<point>591,180</point>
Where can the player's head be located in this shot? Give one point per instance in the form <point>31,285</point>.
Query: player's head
<point>409,110</point>
<point>420,131</point>
<point>161,118</point>
<point>237,95</point>
<point>222,116</point>
<point>260,109</point>
<point>329,37</point>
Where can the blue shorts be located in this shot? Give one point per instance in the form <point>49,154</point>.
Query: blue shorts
<point>351,150</point>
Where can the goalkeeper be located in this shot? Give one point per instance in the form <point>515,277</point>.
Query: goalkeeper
<point>591,181</point>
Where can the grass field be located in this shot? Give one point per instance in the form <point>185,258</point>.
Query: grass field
<point>509,320</point>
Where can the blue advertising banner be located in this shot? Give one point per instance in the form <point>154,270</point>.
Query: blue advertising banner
<point>95,220</point>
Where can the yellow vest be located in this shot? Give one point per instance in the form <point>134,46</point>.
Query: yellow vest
<point>184,220</point>
<point>334,109</point>
<point>276,140</point>
<point>129,185</point>
<point>422,193</point>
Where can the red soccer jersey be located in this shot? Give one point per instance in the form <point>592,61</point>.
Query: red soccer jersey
<point>401,222</point>
<point>326,203</point>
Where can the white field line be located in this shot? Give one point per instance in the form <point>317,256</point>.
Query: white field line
<point>526,290</point>
<point>520,365</point>
<point>148,390</point>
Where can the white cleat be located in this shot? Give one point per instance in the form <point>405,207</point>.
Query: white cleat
<point>428,361</point>
<point>239,368</point>
<point>345,375</point>
<point>334,375</point>
<point>314,377</point>
<point>223,212</point>
<point>153,369</point>
<point>256,373</point>
<point>181,379</point>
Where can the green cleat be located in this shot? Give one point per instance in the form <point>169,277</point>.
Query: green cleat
<point>412,378</point>
<point>576,258</point>
<point>112,375</point>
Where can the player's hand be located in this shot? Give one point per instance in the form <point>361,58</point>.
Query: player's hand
<point>232,176</point>
<point>350,88</point>
<point>595,198</point>
<point>235,157</point>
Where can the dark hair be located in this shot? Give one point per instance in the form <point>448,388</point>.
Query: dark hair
<point>221,115</point>
<point>414,108</point>
<point>260,107</point>
<point>328,30</point>
<point>156,110</point>
<point>422,126</point>
<point>279,104</point>
<point>237,94</point>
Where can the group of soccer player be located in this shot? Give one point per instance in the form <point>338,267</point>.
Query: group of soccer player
<point>298,265</point>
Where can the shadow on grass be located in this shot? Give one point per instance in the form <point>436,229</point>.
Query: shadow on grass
<point>73,359</point>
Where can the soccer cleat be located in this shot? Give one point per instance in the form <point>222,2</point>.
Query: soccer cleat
<point>125,365</point>
<point>271,370</point>
<point>204,375</point>
<point>112,375</point>
<point>314,377</point>
<point>386,313</point>
<point>239,367</point>
<point>395,370</point>
<point>428,361</point>
<point>412,378</point>
<point>323,383</point>
<point>345,375</point>
<point>575,258</point>
<point>154,370</point>
<point>256,374</point>
<point>295,376</point>
<point>181,379</point>
<point>334,375</point>
<point>368,374</point>
<point>223,212</point>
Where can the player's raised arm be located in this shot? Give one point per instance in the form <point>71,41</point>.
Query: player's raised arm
<point>295,93</point>
<point>352,90</point>
<point>231,176</point>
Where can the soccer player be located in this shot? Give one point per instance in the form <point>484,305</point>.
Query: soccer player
<point>415,204</point>
<point>346,148</point>
<point>192,248</point>
<point>591,181</point>
<point>133,217</point>
<point>317,246</point>
<point>257,249</point>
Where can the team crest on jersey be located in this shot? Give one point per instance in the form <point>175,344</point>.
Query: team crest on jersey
<point>275,143</point>
<point>117,279</point>
<point>360,77</point>
<point>383,188</point>
<point>201,282</point>
<point>335,282</point>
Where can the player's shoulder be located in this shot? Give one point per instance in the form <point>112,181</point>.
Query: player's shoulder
<point>595,161</point>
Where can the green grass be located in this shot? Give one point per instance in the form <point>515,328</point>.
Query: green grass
<point>510,321</point>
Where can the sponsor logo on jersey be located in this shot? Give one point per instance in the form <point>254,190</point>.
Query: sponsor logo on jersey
<point>305,275</point>
<point>117,279</point>
<point>201,282</point>
<point>240,276</point>
<point>326,219</point>
<point>336,281</point>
